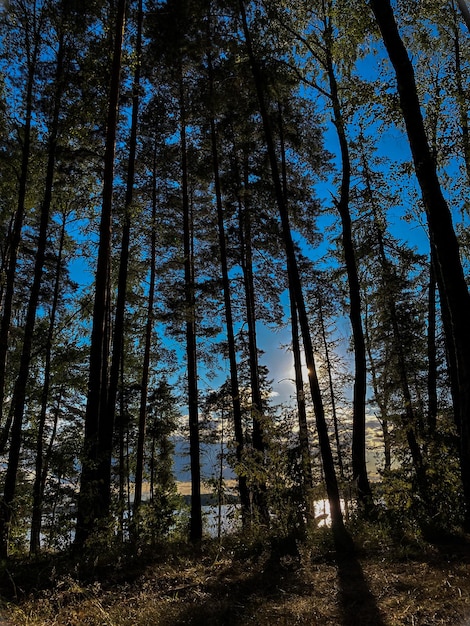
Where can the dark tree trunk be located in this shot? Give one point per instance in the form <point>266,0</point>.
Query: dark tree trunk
<point>234,385</point>
<point>42,461</point>
<point>453,289</point>
<point>359,465</point>
<point>343,541</point>
<point>409,419</point>
<point>463,6</point>
<point>94,498</point>
<point>15,238</point>
<point>118,331</point>
<point>147,345</point>
<point>461,96</point>
<point>250,303</point>
<point>432,359</point>
<point>19,392</point>
<point>304,443</point>
<point>329,369</point>
<point>381,403</point>
<point>258,442</point>
<point>195,531</point>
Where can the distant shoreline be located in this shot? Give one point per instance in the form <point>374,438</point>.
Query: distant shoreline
<point>184,487</point>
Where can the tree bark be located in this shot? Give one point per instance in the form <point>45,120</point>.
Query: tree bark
<point>431,344</point>
<point>359,465</point>
<point>304,443</point>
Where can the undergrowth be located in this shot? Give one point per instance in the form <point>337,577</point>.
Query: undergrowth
<point>396,578</point>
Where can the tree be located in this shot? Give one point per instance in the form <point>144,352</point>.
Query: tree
<point>342,539</point>
<point>30,18</point>
<point>234,384</point>
<point>453,290</point>
<point>95,496</point>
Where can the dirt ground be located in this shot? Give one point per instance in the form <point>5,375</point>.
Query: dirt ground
<point>229,588</point>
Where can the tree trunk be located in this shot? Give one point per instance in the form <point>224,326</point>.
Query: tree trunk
<point>342,539</point>
<point>304,443</point>
<point>234,385</point>
<point>148,344</point>
<point>449,273</point>
<point>19,392</point>
<point>247,268</point>
<point>41,462</point>
<point>432,359</point>
<point>461,96</point>
<point>381,403</point>
<point>94,498</point>
<point>258,442</point>
<point>195,531</point>
<point>329,369</point>
<point>463,6</point>
<point>359,465</point>
<point>15,238</point>
<point>304,439</point>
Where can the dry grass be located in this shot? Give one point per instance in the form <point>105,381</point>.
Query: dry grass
<point>236,587</point>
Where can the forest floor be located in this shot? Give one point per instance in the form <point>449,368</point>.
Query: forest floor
<point>237,584</point>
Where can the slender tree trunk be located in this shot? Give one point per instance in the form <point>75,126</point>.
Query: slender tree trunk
<point>304,443</point>
<point>359,465</point>
<point>119,317</point>
<point>195,532</point>
<point>258,442</point>
<point>41,462</point>
<point>449,272</point>
<point>432,359</point>
<point>463,6</point>
<point>234,384</point>
<point>19,392</point>
<point>329,369</point>
<point>148,344</point>
<point>304,439</point>
<point>94,498</point>
<point>461,96</point>
<point>17,225</point>
<point>247,268</point>
<point>381,403</point>
<point>409,419</point>
<point>343,541</point>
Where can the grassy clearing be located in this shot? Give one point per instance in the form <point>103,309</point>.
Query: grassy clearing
<point>238,584</point>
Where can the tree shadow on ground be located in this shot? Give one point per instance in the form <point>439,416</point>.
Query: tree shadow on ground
<point>358,604</point>
<point>255,597</point>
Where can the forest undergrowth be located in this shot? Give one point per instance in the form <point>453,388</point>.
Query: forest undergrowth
<point>388,582</point>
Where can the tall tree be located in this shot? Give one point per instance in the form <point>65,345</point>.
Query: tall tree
<point>453,290</point>
<point>19,392</point>
<point>342,538</point>
<point>29,17</point>
<point>41,464</point>
<point>234,383</point>
<point>94,498</point>
<point>118,326</point>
